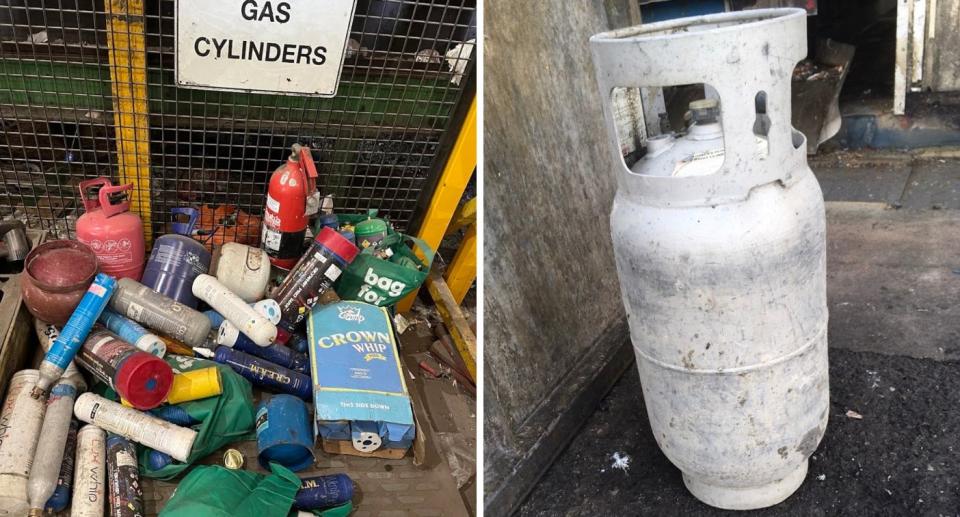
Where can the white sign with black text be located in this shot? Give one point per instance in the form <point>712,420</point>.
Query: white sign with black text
<point>277,46</point>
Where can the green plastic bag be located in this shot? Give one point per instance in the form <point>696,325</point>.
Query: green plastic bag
<point>225,419</point>
<point>382,282</point>
<point>220,492</point>
<point>214,491</point>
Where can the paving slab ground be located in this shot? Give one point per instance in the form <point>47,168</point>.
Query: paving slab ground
<point>902,458</point>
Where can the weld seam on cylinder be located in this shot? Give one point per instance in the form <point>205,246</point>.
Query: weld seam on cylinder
<point>740,369</point>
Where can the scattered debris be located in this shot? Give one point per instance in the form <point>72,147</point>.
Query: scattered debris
<point>822,477</point>
<point>401,323</point>
<point>37,38</point>
<point>457,59</point>
<point>621,462</point>
<point>428,55</point>
<point>853,414</point>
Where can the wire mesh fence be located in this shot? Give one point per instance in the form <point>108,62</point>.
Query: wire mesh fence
<point>408,66</point>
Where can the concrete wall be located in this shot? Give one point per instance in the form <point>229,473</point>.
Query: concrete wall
<point>555,335</point>
<point>942,50</point>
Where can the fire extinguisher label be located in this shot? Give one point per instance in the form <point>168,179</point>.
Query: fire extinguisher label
<point>272,204</point>
<point>271,239</point>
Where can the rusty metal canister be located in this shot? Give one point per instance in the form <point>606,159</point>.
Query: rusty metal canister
<point>123,478</point>
<point>719,240</point>
<point>20,421</point>
<point>88,483</point>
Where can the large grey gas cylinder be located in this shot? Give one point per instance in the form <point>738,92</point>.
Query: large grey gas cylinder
<point>719,237</point>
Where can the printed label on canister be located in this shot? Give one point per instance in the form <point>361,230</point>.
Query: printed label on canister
<point>303,286</point>
<point>88,489</point>
<point>134,311</point>
<point>140,427</point>
<point>102,355</point>
<point>262,423</point>
<point>126,494</point>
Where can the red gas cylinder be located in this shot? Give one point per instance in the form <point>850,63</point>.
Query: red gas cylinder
<point>108,227</point>
<point>291,199</point>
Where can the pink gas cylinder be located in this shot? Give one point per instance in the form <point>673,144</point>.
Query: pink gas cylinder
<point>110,229</point>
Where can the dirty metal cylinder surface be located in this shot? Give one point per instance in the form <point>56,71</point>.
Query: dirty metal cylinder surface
<point>48,458</point>
<point>61,494</point>
<point>140,427</point>
<point>123,478</point>
<point>90,476</point>
<point>47,334</point>
<point>20,422</point>
<point>722,266</point>
<point>158,312</point>
<point>245,270</point>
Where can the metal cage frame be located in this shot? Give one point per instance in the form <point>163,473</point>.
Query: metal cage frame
<point>87,89</point>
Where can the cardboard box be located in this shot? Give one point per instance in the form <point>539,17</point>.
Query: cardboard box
<point>358,381</point>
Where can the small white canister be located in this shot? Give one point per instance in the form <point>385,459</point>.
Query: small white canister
<point>243,269</point>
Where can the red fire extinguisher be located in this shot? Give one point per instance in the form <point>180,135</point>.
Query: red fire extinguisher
<point>108,226</point>
<point>291,199</point>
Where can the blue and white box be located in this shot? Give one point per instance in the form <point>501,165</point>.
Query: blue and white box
<point>359,391</point>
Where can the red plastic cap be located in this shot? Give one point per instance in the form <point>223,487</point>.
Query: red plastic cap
<point>338,244</point>
<point>144,380</point>
<point>282,336</point>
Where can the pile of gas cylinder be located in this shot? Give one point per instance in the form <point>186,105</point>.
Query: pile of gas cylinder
<point>101,308</point>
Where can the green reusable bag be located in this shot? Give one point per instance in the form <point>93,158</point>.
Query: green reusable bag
<point>225,419</point>
<point>214,491</point>
<point>382,282</point>
<point>220,492</point>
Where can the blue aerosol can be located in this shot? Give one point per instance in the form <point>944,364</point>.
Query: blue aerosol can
<point>74,333</point>
<point>324,492</point>
<point>263,373</point>
<point>133,333</point>
<point>230,336</point>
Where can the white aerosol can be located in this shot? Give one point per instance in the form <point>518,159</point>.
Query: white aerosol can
<point>48,457</point>
<point>235,310</point>
<point>136,425</point>
<point>90,475</point>
<point>20,422</point>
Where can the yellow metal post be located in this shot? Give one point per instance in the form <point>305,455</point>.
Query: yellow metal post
<point>453,181</point>
<point>462,270</point>
<point>465,216</point>
<point>128,75</point>
<point>460,330</point>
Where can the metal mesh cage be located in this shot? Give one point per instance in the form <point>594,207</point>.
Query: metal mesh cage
<point>72,92</point>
